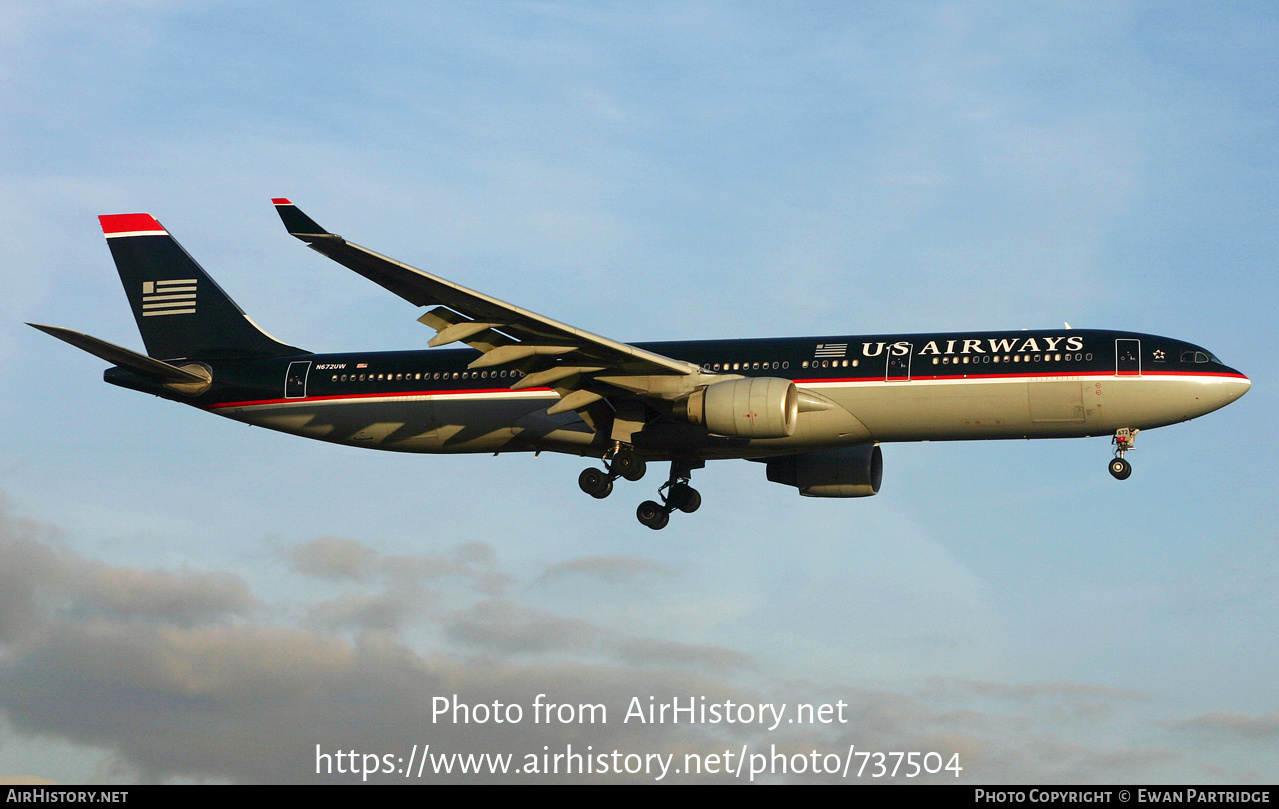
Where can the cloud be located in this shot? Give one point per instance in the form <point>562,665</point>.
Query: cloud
<point>1233,724</point>
<point>614,569</point>
<point>511,628</point>
<point>338,558</point>
<point>649,652</point>
<point>160,594</point>
<point>192,675</point>
<point>39,576</point>
<point>378,612</point>
<point>332,558</point>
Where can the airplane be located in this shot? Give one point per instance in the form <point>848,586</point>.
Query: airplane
<point>813,410</point>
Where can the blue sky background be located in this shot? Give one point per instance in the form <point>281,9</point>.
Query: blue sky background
<point>183,597</point>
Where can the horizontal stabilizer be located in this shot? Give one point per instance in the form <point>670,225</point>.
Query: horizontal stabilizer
<point>138,363</point>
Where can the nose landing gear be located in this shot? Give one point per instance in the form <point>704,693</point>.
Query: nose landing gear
<point>1125,440</point>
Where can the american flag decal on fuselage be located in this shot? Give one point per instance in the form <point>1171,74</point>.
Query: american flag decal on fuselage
<point>173,297</point>
<point>831,350</point>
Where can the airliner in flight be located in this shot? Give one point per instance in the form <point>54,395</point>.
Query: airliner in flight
<point>812,410</point>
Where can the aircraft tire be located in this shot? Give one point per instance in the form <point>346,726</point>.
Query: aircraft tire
<point>595,482</point>
<point>1120,469</point>
<point>652,515</point>
<point>628,465</point>
<point>692,502</point>
<point>684,497</point>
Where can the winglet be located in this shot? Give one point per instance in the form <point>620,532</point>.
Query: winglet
<point>299,224</point>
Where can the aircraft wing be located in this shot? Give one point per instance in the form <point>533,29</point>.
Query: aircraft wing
<point>572,361</point>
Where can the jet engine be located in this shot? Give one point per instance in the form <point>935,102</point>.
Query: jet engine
<point>761,407</point>
<point>847,472</point>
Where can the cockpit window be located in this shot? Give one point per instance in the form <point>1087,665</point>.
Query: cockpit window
<point>1198,357</point>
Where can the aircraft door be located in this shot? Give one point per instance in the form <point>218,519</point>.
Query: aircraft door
<point>1127,358</point>
<point>899,363</point>
<point>295,379</point>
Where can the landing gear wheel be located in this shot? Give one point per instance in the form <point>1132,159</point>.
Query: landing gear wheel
<point>652,515</point>
<point>626,464</point>
<point>1120,469</point>
<point>595,482</point>
<point>1125,440</point>
<point>694,501</point>
<point>684,497</point>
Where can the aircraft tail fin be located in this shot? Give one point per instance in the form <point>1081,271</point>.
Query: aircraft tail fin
<point>181,311</point>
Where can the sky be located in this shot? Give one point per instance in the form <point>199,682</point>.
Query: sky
<point>187,599</point>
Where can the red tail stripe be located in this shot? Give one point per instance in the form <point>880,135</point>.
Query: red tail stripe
<point>130,223</point>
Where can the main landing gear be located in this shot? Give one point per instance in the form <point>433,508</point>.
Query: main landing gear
<point>622,462</point>
<point>1125,439</point>
<point>675,493</point>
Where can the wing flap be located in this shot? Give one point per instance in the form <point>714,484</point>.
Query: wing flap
<point>441,318</point>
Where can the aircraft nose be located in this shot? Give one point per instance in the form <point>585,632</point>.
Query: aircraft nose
<point>1242,385</point>
<point>1226,390</point>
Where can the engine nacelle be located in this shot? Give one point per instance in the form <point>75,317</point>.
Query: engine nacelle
<point>847,472</point>
<point>762,407</point>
